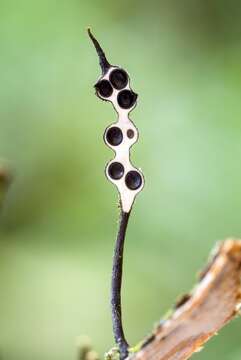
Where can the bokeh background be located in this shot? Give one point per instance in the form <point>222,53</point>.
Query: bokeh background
<point>59,218</point>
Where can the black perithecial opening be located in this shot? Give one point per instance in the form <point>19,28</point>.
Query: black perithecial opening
<point>104,88</point>
<point>119,79</point>
<point>126,99</point>
<point>130,133</point>
<point>133,180</point>
<point>116,170</point>
<point>114,136</point>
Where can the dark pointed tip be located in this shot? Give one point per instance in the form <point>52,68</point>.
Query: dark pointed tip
<point>104,64</point>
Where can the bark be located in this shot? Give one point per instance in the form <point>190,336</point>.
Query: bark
<point>201,314</point>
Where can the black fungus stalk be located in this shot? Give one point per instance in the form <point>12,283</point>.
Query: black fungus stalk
<point>132,180</point>
<point>117,267</point>
<point>116,286</point>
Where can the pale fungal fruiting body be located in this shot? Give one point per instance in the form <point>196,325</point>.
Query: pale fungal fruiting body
<point>114,86</point>
<point>121,135</point>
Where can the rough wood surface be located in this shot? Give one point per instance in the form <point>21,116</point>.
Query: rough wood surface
<point>197,317</point>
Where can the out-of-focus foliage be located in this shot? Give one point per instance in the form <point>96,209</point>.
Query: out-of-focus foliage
<point>58,222</point>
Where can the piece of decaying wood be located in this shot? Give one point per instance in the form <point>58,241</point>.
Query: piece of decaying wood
<point>197,317</point>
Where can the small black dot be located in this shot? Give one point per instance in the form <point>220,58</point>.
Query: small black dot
<point>119,79</point>
<point>126,99</point>
<point>104,88</point>
<point>114,136</point>
<point>130,133</point>
<point>116,170</point>
<point>133,180</point>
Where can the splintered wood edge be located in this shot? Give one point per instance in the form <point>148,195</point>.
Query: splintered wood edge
<point>198,316</point>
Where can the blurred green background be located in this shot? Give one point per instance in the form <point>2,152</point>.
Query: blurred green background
<point>59,218</point>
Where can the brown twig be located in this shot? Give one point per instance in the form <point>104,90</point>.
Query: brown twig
<point>199,316</point>
<point>5,181</point>
<point>5,177</point>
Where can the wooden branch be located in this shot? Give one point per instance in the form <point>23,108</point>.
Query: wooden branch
<point>5,177</point>
<point>197,317</point>
<point>5,180</point>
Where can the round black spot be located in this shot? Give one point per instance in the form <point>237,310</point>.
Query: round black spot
<point>133,180</point>
<point>114,136</point>
<point>116,170</point>
<point>119,79</point>
<point>130,133</point>
<point>126,99</point>
<point>104,88</point>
